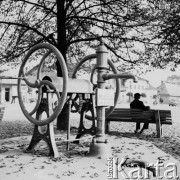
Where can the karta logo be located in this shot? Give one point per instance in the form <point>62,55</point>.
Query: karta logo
<point>135,170</point>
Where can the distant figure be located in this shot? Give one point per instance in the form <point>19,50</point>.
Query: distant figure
<point>137,104</point>
<point>13,99</point>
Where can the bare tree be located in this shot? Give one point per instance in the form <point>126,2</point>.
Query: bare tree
<point>163,49</point>
<point>131,29</point>
<point>70,24</point>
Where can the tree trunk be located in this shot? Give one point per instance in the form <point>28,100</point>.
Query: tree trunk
<point>62,120</point>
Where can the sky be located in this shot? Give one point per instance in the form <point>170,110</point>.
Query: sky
<point>155,77</point>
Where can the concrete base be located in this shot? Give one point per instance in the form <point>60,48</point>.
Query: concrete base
<point>100,149</point>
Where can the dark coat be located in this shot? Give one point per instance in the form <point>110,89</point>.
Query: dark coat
<point>137,104</point>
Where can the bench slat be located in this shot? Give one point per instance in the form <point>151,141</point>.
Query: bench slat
<point>137,120</point>
<point>140,116</point>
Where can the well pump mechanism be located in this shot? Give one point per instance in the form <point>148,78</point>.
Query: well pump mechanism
<point>99,145</point>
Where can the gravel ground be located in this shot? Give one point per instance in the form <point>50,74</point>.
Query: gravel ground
<point>169,143</point>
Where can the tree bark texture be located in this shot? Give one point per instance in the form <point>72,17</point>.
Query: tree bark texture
<point>62,119</point>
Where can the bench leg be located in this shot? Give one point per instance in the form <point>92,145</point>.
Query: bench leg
<point>107,125</point>
<point>158,124</point>
<point>159,131</point>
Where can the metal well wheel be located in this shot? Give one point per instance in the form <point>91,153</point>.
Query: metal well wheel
<point>40,83</point>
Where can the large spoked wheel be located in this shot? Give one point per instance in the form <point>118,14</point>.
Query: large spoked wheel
<point>39,84</point>
<point>110,63</point>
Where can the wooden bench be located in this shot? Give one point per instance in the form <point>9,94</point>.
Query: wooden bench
<point>2,108</point>
<point>157,117</point>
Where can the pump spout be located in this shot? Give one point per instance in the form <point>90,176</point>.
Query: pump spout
<point>121,76</point>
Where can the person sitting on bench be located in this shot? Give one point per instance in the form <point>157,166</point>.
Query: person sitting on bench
<point>137,104</point>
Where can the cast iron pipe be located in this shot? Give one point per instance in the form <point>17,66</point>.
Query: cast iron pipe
<point>122,76</point>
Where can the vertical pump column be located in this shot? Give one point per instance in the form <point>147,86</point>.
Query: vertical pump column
<point>102,55</point>
<point>99,146</point>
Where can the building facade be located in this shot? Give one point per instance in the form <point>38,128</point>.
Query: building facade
<point>169,92</point>
<point>8,91</point>
<point>129,88</point>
